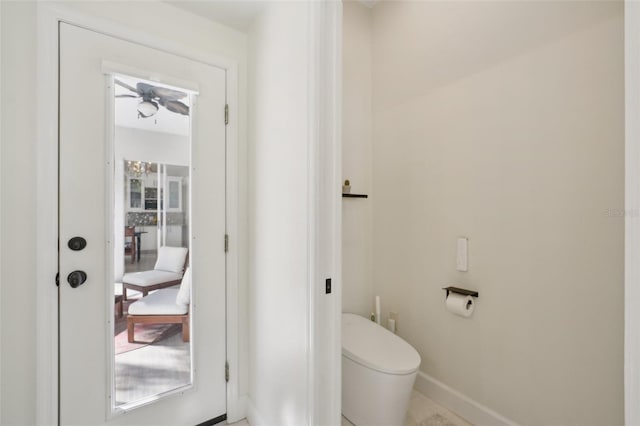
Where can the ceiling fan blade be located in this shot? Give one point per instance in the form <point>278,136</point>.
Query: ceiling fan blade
<point>126,86</point>
<point>144,88</point>
<point>168,94</point>
<point>127,96</point>
<point>177,107</point>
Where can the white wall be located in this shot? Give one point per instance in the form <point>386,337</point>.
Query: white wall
<point>503,122</point>
<point>279,225</point>
<point>357,238</point>
<point>1,202</point>
<point>155,147</point>
<point>326,206</point>
<point>19,205</point>
<point>18,275</point>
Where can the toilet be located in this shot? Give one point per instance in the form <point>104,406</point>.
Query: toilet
<point>378,372</point>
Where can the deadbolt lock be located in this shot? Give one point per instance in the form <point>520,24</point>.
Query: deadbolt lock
<point>77,243</point>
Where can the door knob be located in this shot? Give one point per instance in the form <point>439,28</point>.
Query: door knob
<point>77,243</point>
<point>76,278</point>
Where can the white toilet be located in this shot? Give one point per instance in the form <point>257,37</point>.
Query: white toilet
<point>378,372</point>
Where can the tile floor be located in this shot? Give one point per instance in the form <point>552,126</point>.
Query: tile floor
<point>425,412</point>
<point>422,412</point>
<point>147,261</point>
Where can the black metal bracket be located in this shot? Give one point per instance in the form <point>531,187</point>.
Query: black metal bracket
<point>460,291</point>
<point>355,196</point>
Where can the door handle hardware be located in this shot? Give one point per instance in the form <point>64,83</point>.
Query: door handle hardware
<point>77,243</point>
<point>76,278</point>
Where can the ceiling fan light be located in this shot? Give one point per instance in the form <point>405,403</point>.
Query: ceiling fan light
<point>147,108</point>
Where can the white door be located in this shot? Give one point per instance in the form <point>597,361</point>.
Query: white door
<point>93,172</point>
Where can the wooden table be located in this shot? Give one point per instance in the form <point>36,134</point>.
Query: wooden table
<point>138,243</point>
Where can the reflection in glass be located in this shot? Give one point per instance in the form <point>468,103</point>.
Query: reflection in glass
<point>135,193</point>
<point>174,194</point>
<point>152,345</point>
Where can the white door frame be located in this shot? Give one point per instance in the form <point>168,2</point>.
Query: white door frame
<point>1,200</point>
<point>632,216</point>
<point>325,207</point>
<point>49,15</point>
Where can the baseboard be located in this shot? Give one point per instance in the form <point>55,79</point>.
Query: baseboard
<point>460,404</point>
<point>253,416</point>
<point>237,409</point>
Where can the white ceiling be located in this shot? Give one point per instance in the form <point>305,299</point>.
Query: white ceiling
<point>237,14</point>
<point>369,3</point>
<point>430,44</point>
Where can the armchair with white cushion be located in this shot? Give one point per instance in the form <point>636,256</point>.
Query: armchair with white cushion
<point>165,306</point>
<point>167,272</point>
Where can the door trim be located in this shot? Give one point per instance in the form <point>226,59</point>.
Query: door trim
<point>325,207</point>
<point>48,18</point>
<point>632,217</point>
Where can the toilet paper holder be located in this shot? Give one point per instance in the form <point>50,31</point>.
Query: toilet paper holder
<point>461,291</point>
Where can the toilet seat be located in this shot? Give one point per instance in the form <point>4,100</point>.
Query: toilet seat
<point>375,347</point>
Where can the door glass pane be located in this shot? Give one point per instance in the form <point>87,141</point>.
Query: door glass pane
<point>135,193</point>
<point>151,233</point>
<point>174,194</point>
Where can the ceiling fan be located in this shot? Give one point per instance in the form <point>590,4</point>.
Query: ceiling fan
<point>152,96</point>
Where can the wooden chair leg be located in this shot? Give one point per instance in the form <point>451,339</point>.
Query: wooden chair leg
<point>185,329</point>
<point>124,292</point>
<point>130,326</point>
<point>119,307</point>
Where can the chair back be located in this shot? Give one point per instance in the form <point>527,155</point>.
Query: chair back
<point>172,259</point>
<point>184,294</point>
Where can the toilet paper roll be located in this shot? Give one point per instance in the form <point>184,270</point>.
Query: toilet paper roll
<point>460,304</point>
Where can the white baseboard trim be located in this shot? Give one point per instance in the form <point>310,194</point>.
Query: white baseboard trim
<point>237,409</point>
<point>460,404</point>
<point>253,417</point>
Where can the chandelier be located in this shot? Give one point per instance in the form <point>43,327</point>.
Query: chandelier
<point>137,168</point>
